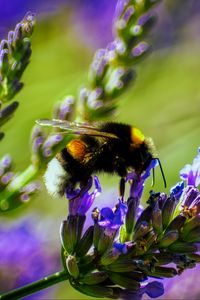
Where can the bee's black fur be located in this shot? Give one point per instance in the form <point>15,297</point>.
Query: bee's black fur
<point>107,155</point>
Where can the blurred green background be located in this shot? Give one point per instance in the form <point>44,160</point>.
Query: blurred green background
<point>164,102</point>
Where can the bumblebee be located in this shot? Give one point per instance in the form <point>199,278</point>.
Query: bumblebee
<point>106,147</point>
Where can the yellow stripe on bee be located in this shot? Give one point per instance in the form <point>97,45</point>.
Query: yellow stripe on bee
<point>137,136</point>
<point>77,149</point>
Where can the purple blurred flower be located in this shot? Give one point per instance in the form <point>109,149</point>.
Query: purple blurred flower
<point>191,173</point>
<point>153,290</point>
<point>94,17</point>
<point>25,256</point>
<point>183,287</point>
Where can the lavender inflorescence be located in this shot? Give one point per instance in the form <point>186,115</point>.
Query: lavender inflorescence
<point>15,54</point>
<point>126,245</point>
<point>111,71</point>
<point>20,187</point>
<point>12,193</point>
<point>14,57</point>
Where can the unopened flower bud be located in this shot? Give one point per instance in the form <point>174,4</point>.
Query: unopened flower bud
<point>72,266</point>
<point>140,50</point>
<point>150,238</point>
<point>193,235</point>
<point>68,234</point>
<point>85,242</point>
<point>169,238</point>
<point>94,277</point>
<point>7,112</point>
<point>105,242</point>
<point>4,62</point>
<point>123,21</point>
<point>167,211</point>
<point>141,230</point>
<point>28,190</point>
<point>190,225</point>
<point>177,223</point>
<point>183,247</point>
<point>157,220</point>
<point>122,265</point>
<point>97,291</point>
<point>98,67</point>
<point>5,164</point>
<point>5,179</point>
<point>164,272</point>
<point>131,214</point>
<point>118,81</point>
<point>64,110</point>
<point>110,256</point>
<point>125,281</point>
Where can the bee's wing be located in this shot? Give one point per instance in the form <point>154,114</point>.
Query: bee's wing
<point>76,128</point>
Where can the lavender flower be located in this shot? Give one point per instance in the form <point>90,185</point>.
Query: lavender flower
<point>14,57</point>
<point>111,71</point>
<point>80,200</point>
<point>128,245</point>
<point>110,219</point>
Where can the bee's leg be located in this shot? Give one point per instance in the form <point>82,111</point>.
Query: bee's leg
<point>122,187</point>
<point>85,185</point>
<point>122,172</point>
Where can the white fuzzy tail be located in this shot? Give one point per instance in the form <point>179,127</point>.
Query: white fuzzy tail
<point>55,178</point>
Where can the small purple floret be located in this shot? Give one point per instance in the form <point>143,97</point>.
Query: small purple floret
<point>141,48</point>
<point>113,220</point>
<point>121,4</point>
<point>177,190</point>
<point>80,200</point>
<point>121,247</point>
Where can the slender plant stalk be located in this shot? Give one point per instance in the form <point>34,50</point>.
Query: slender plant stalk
<point>36,286</point>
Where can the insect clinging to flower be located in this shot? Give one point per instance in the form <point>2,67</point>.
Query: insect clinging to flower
<point>109,147</point>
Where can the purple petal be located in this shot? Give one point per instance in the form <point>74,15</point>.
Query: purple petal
<point>121,247</point>
<point>154,289</point>
<point>107,213</point>
<point>177,190</point>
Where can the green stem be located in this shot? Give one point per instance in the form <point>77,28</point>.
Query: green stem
<point>35,286</point>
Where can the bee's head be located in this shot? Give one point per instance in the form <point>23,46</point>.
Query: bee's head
<point>143,151</point>
<point>141,154</point>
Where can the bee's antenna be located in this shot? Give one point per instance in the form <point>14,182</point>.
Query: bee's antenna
<point>162,172</point>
